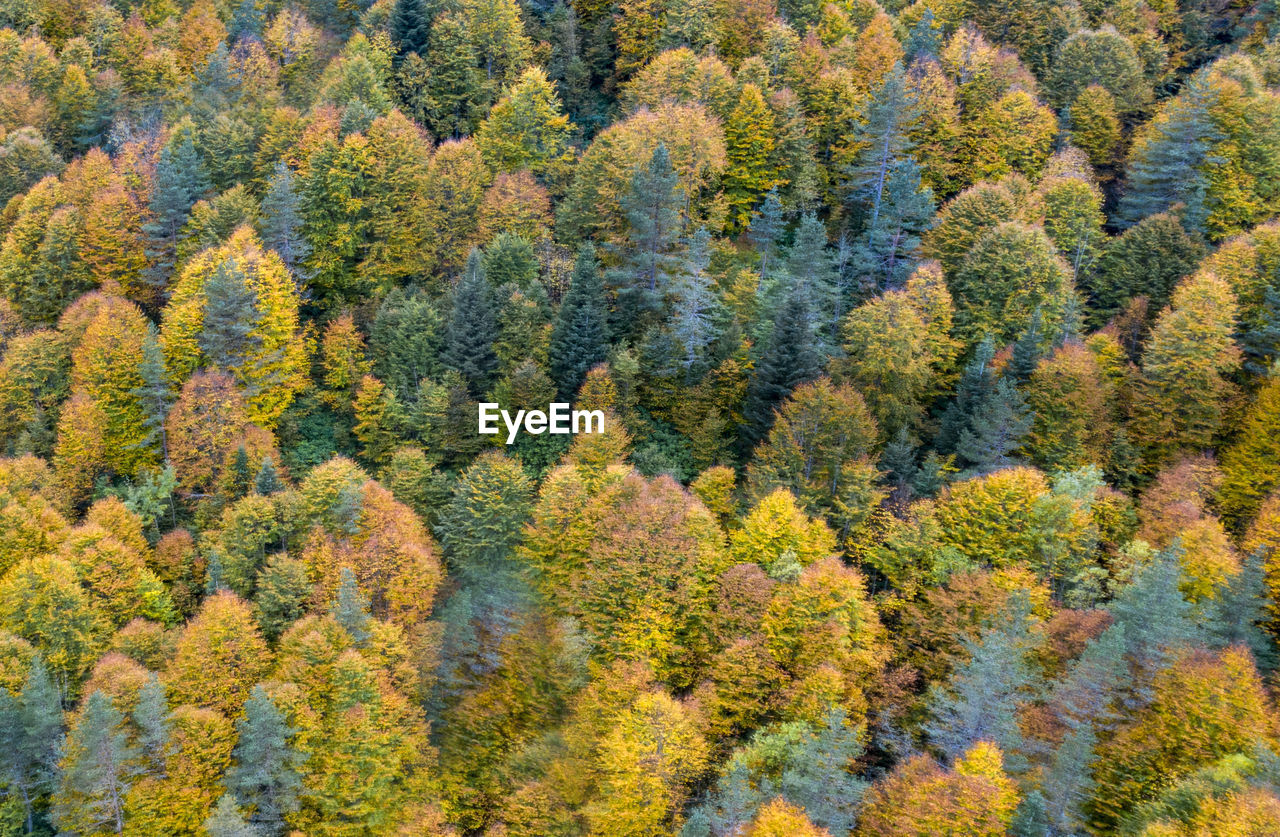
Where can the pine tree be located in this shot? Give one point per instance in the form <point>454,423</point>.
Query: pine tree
<point>997,427</point>
<point>1238,612</point>
<point>981,700</point>
<point>180,181</point>
<point>472,326</point>
<point>579,339</point>
<point>281,219</point>
<point>230,314</point>
<point>651,207</point>
<point>1260,341</point>
<point>226,821</point>
<point>889,249</point>
<point>975,387</point>
<point>30,727</point>
<point>246,22</point>
<point>695,308</point>
<point>410,28</point>
<point>265,774</point>
<point>812,269</point>
<point>1026,352</point>
<point>351,608</point>
<point>818,775</point>
<point>1155,616</point>
<point>267,482</point>
<point>151,717</point>
<point>97,771</point>
<point>155,394</point>
<point>789,359</point>
<point>1168,162</point>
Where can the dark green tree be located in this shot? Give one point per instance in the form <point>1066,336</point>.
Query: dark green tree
<point>230,314</point>
<point>151,717</point>
<point>180,181</point>
<point>410,27</point>
<point>1148,259</point>
<point>579,339</point>
<point>789,360</point>
<point>1026,351</point>
<point>766,230</point>
<point>156,393</point>
<point>351,607</point>
<point>267,482</point>
<point>98,769</point>
<point>281,219</point>
<point>999,423</point>
<point>652,209</point>
<point>30,729</point>
<point>472,326</point>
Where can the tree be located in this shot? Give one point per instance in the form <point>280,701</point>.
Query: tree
<point>484,522</point>
<point>229,312</point>
<point>526,128</point>
<point>469,341</point>
<point>264,776</point>
<point>219,656</point>
<point>579,339</point>
<point>996,429</point>
<point>227,821</point>
<point>206,425</point>
<point>281,222</point>
<point>380,420</point>
<point>30,726</point>
<point>1190,355</point>
<point>410,28</point>
<point>42,601</point>
<point>96,771</point>
<point>750,168</point>
<point>180,181</point>
<point>789,360</point>
<point>1148,259</point>
<point>1103,57</point>
<point>350,608</point>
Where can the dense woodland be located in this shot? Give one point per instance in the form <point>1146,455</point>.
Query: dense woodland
<point>938,346</point>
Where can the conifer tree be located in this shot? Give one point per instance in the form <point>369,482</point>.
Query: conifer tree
<point>281,222</point>
<point>469,342</point>
<point>227,821</point>
<point>695,307</point>
<point>264,775</point>
<point>230,314</point>
<point>975,386</point>
<point>155,394</point>
<point>30,727</point>
<point>766,229</point>
<point>651,207</point>
<point>579,338</point>
<point>812,269</point>
<point>180,181</point>
<point>97,771</point>
<point>818,775</point>
<point>351,607</point>
<point>151,717</point>
<point>997,426</point>
<point>410,27</point>
<point>1026,352</point>
<point>789,359</point>
<point>267,482</point>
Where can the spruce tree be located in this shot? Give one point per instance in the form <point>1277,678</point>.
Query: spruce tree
<point>766,229</point>
<point>652,209</point>
<point>1260,339</point>
<point>818,776</point>
<point>410,28</point>
<point>226,820</point>
<point>579,339</point>
<point>981,699</point>
<point>98,769</point>
<point>695,306</point>
<point>281,219</point>
<point>264,775</point>
<point>30,727</point>
<point>789,359</point>
<point>889,247</point>
<point>151,717</point>
<point>976,383</point>
<point>351,607</point>
<point>230,314</point>
<point>246,22</point>
<point>1026,352</point>
<point>997,426</point>
<point>267,482</point>
<point>155,394</point>
<point>180,181</point>
<point>472,326</point>
<point>812,269</point>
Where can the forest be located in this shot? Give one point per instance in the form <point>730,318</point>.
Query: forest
<point>938,349</point>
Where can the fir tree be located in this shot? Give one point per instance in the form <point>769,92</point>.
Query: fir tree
<point>1237,613</point>
<point>975,385</point>
<point>1026,352</point>
<point>469,343</point>
<point>694,310</point>
<point>226,821</point>
<point>155,394</point>
<point>97,771</point>
<point>180,181</point>
<point>246,22</point>
<point>813,271</point>
<point>281,219</point>
<point>265,775</point>
<point>1152,611</point>
<point>351,608</point>
<point>889,248</point>
<point>789,359</point>
<point>652,210</point>
<point>1260,340</point>
<point>267,482</point>
<point>230,313</point>
<point>30,727</point>
<point>1168,167</point>
<point>998,425</point>
<point>410,27</point>
<point>151,717</point>
<point>818,776</point>
<point>579,340</point>
<point>981,699</point>
<point>766,229</point>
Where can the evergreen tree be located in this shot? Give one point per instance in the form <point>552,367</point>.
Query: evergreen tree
<point>267,482</point>
<point>789,359</point>
<point>652,209</point>
<point>155,394</point>
<point>351,608</point>
<point>695,307</point>
<point>1026,352</point>
<point>227,821</point>
<point>889,248</point>
<point>818,776</point>
<point>579,339</point>
<point>281,219</point>
<point>180,181</point>
<point>1168,165</point>
<point>151,717</point>
<point>998,425</point>
<point>981,699</point>
<point>97,771</point>
<point>976,384</point>
<point>1240,609</point>
<point>410,27</point>
<point>812,269</point>
<point>469,342</point>
<point>230,314</point>
<point>30,727</point>
<point>1155,617</point>
<point>1260,341</point>
<point>264,776</point>
<point>246,22</point>
<point>766,230</point>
